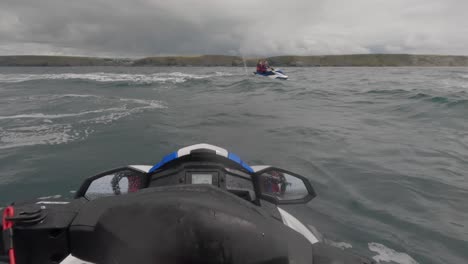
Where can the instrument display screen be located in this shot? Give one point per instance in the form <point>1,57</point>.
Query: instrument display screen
<point>198,178</point>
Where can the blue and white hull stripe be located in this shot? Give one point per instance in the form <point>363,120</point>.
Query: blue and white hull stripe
<point>187,150</point>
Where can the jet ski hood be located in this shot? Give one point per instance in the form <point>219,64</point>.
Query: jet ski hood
<point>183,224</point>
<point>201,149</point>
<point>199,204</point>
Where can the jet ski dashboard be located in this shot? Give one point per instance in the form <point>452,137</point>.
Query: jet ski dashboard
<point>231,179</point>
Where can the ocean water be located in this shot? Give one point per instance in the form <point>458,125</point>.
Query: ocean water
<point>386,148</point>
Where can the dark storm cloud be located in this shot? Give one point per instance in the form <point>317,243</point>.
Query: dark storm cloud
<point>262,27</point>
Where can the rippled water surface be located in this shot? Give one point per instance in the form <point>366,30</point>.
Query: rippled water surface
<point>386,148</point>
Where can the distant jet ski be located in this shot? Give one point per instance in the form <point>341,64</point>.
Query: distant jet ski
<point>274,74</point>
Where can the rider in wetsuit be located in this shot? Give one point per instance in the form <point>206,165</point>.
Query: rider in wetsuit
<point>275,183</point>
<point>263,68</point>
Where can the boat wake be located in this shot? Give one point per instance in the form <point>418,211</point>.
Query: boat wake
<point>39,128</point>
<point>105,77</point>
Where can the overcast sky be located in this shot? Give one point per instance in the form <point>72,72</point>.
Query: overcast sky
<point>133,28</point>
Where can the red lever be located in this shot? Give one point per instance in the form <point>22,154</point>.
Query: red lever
<point>7,224</point>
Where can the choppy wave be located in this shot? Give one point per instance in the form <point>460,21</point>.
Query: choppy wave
<point>148,103</point>
<point>340,245</point>
<point>448,99</point>
<point>31,129</point>
<point>174,77</point>
<point>107,119</point>
<point>387,91</point>
<point>364,136</point>
<point>58,96</point>
<point>44,98</point>
<point>115,110</point>
<point>40,135</point>
<point>55,116</point>
<point>57,196</point>
<point>386,254</point>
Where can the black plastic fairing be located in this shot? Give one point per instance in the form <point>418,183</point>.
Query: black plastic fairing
<point>40,230</point>
<point>310,189</point>
<point>183,224</point>
<point>4,239</point>
<point>85,185</point>
<point>202,156</point>
<point>221,176</point>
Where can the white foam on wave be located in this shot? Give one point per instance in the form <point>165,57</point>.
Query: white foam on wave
<point>341,245</point>
<point>154,103</point>
<point>40,135</point>
<point>47,98</point>
<point>453,85</point>
<point>224,74</point>
<point>57,196</point>
<point>386,254</point>
<point>149,104</point>
<point>111,117</point>
<point>55,116</point>
<point>107,119</point>
<point>174,77</point>
<point>59,96</point>
<point>51,129</point>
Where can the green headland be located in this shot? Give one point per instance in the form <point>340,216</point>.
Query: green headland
<point>359,60</point>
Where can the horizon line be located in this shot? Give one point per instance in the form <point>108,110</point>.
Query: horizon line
<point>229,55</point>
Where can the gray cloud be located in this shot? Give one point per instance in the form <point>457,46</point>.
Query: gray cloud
<point>263,27</point>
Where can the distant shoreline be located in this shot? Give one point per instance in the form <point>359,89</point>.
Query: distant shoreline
<point>356,60</point>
